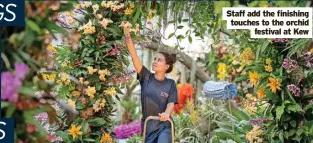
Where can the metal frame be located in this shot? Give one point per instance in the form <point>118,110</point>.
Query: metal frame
<point>157,118</point>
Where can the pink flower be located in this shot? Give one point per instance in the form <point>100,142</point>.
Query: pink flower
<point>308,59</point>
<point>10,83</point>
<point>289,64</point>
<point>9,86</point>
<point>294,90</point>
<point>42,117</point>
<point>127,130</point>
<point>21,70</point>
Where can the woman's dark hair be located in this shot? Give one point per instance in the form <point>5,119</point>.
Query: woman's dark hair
<point>170,59</point>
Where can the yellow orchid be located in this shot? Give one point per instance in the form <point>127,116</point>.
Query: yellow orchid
<point>106,138</point>
<point>254,134</point>
<point>91,70</point>
<point>261,93</point>
<point>132,5</point>
<point>104,72</point>
<point>105,22</point>
<point>74,131</point>
<point>268,61</point>
<point>274,84</point>
<point>128,11</point>
<point>111,91</point>
<point>254,78</point>
<point>102,78</point>
<point>91,91</point>
<point>268,68</point>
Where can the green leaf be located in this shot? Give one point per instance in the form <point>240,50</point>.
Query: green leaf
<point>239,114</point>
<point>118,91</point>
<point>172,21</point>
<point>148,4</point>
<point>137,14</point>
<point>187,32</point>
<point>97,55</point>
<point>115,30</point>
<point>180,26</point>
<point>224,125</point>
<point>118,98</point>
<point>297,138</point>
<point>32,25</point>
<point>90,50</point>
<point>201,36</point>
<point>307,107</point>
<point>63,92</point>
<point>293,123</point>
<point>294,108</point>
<point>225,135</point>
<point>189,39</point>
<point>27,91</point>
<point>80,106</point>
<point>4,104</point>
<point>97,122</point>
<point>98,86</point>
<point>10,110</point>
<point>241,78</point>
<point>281,138</point>
<point>30,38</point>
<point>171,35</point>
<point>159,24</point>
<point>197,34</point>
<point>126,61</point>
<point>88,59</point>
<point>299,132</point>
<point>291,132</point>
<point>176,47</point>
<point>81,138</point>
<point>291,96</point>
<point>84,127</point>
<point>53,27</point>
<point>89,140</point>
<point>63,135</point>
<point>279,112</point>
<point>180,37</point>
<point>28,58</point>
<point>287,102</point>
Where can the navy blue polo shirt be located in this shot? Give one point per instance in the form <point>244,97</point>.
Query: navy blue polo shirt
<point>155,94</point>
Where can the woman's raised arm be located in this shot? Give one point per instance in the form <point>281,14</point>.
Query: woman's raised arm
<point>131,49</point>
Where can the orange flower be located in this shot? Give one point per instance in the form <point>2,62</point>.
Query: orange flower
<point>178,108</point>
<point>274,84</point>
<point>185,92</point>
<point>106,138</point>
<point>186,89</point>
<point>261,93</point>
<point>254,78</point>
<point>74,131</point>
<point>75,93</point>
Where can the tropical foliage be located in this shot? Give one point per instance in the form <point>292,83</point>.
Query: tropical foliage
<point>63,73</point>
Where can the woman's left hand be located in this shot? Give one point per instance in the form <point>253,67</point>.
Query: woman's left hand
<point>164,116</point>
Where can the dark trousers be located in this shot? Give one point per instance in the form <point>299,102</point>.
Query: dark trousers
<point>158,132</point>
